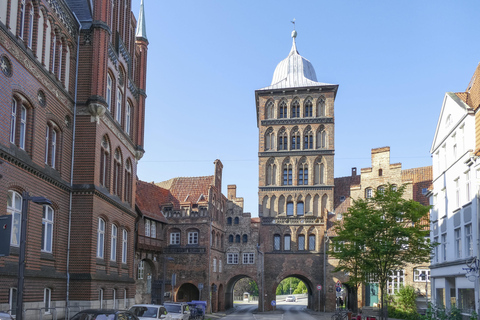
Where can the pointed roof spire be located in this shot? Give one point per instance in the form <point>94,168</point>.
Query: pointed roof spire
<point>141,25</point>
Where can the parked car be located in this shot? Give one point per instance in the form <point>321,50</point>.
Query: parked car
<point>150,311</point>
<point>291,299</point>
<point>178,310</point>
<point>5,316</point>
<point>104,314</point>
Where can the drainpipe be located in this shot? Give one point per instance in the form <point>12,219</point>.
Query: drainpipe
<point>71,171</point>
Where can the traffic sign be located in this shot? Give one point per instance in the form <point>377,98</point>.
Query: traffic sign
<point>338,284</point>
<point>338,289</point>
<point>319,287</point>
<point>273,303</point>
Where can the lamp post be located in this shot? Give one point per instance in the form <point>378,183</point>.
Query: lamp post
<point>23,238</point>
<point>165,261</point>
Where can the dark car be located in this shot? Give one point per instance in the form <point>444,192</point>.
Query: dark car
<point>104,314</point>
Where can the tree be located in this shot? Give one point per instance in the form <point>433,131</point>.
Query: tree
<point>380,235</point>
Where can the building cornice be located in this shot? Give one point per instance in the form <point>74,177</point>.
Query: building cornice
<point>294,188</point>
<point>294,121</point>
<point>299,153</point>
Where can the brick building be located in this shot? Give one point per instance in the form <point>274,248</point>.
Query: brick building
<point>71,131</point>
<point>418,182</point>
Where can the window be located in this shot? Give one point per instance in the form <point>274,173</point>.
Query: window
<point>248,258</point>
<point>301,242</point>
<point>321,107</point>
<point>421,275</point>
<point>14,207</point>
<point>283,110</point>
<point>124,246</point>
<point>214,265</point>
<point>338,246</point>
<point>458,243</point>
<point>444,246</point>
<point>454,146</point>
<point>395,281</point>
<point>286,242</point>
<point>12,301</point>
<point>220,266</point>
<point>100,238</point>
<point>125,299</point>
<point>289,208</point>
<point>295,145</point>
<point>147,228</point>
<point>308,108</point>
<point>18,124</point>
<point>269,139</point>
<point>128,181</point>
<point>308,139</point>
<point>128,118</point>
<point>311,242</point>
<point>300,210</point>
<point>230,238</point>
<point>51,145</point>
<point>236,220</point>
<point>30,28</point>
<point>47,295</point>
<point>467,186</point>
<point>109,92</point>
<point>282,140</point>
<point>153,229</point>
<point>244,238</point>
<point>229,221</point>
<point>22,19</point>
<point>114,296</point>
<point>342,198</point>
<point>468,240</point>
<point>47,229</point>
<point>321,138</point>
<point>113,245</point>
<point>287,174</point>
<point>276,242</point>
<point>368,193</point>
<point>457,192</point>
<point>175,238</point>
<point>380,172</point>
<point>303,174</point>
<point>237,238</point>
<point>269,110</point>
<point>435,240</point>
<point>100,297</point>
<point>232,258</point>
<point>118,110</point>
<point>141,270</point>
<point>295,109</point>
<point>105,162</point>
<point>117,172</point>
<point>13,121</point>
<point>193,237</point>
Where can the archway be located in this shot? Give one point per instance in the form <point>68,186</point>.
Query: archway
<point>233,292</point>
<point>187,292</point>
<point>146,286</point>
<point>305,293</point>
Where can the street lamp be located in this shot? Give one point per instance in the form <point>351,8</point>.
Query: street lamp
<point>23,238</point>
<point>165,261</point>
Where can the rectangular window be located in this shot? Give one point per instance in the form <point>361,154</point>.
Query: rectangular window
<point>23,127</point>
<point>175,238</point>
<point>368,193</point>
<point>47,299</point>
<point>437,259</point>
<point>153,230</point>
<point>100,238</point>
<point>214,265</point>
<point>118,111</point>
<point>395,281</point>
<point>124,246</point>
<point>12,301</point>
<point>193,238</point>
<point>286,242</point>
<point>141,270</point>
<point>13,121</point>
<point>444,246</point>
<point>338,246</point>
<point>458,243</point>
<point>220,266</point>
<point>289,208</point>
<point>457,193</point>
<point>301,243</point>
<point>113,245</point>
<point>100,298</point>
<point>232,258</point>
<point>276,242</point>
<point>248,258</point>
<point>128,118</point>
<point>47,143</point>
<point>466,300</point>
<point>109,92</point>
<point>47,229</point>
<point>467,186</point>
<point>147,228</point>
<point>311,242</point>
<point>468,240</point>
<point>421,275</point>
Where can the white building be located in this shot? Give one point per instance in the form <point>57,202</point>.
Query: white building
<point>454,198</point>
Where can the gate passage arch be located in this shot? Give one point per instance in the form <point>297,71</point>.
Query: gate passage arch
<point>312,292</point>
<point>231,284</point>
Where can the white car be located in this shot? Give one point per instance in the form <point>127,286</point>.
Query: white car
<point>150,312</point>
<point>291,299</point>
<point>179,310</point>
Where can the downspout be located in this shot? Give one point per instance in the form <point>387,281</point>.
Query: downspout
<point>71,169</point>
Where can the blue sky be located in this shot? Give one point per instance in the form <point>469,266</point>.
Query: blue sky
<point>393,62</point>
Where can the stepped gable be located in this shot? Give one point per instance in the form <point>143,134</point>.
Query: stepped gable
<point>188,189</point>
<point>149,199</point>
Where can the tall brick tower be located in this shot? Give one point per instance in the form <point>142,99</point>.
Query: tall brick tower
<point>295,117</point>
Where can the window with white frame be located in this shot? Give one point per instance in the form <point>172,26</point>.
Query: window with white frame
<point>286,242</point>
<point>457,192</point>
<point>467,186</point>
<point>47,229</point>
<point>118,110</point>
<point>147,228</point>
<point>338,246</point>
<point>220,265</point>
<point>51,145</point>
<point>232,258</point>
<point>12,301</point>
<point>248,258</point>
<point>109,92</point>
<point>468,240</point>
<point>114,296</point>
<point>458,243</point>
<point>421,275</point>
<point>14,208</point>
<point>214,265</point>
<point>395,281</point>
<point>368,193</point>
<point>454,145</point>
<point>113,243</point>
<point>175,238</point>
<point>444,246</point>
<point>100,297</point>
<point>437,252</point>
<point>100,238</point>
<point>193,237</point>
<point>47,296</point>
<point>124,246</point>
<point>128,118</point>
<point>141,270</point>
<point>153,229</point>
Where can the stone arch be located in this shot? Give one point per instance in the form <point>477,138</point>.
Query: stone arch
<point>312,293</point>
<point>187,292</point>
<point>230,284</point>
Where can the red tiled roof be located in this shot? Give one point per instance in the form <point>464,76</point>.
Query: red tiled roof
<point>149,199</point>
<point>188,189</point>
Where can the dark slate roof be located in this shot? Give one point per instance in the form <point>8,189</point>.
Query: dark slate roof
<point>82,9</point>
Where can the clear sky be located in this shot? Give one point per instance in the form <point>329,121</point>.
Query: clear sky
<point>393,62</point>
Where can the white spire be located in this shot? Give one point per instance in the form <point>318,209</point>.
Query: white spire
<point>141,25</point>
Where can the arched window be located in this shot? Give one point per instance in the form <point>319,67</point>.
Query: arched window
<point>128,118</point>
<point>30,27</point>
<point>269,110</point>
<point>321,107</point>
<point>14,208</point>
<point>286,242</point>
<point>282,109</point>
<point>229,221</point>
<point>287,173</point>
<point>117,173</point>
<point>237,238</point>
<point>22,8</point>
<point>236,220</point>
<point>48,44</point>
<point>289,207</point>
<point>245,238</point>
<point>230,238</point>
<point>319,171</point>
<point>321,138</point>
<point>47,229</point>
<point>128,181</point>
<point>281,205</point>
<point>276,242</point>
<point>300,209</point>
<point>20,115</point>
<point>295,109</point>
<point>53,52</point>
<point>40,28</point>
<point>311,242</point>
<point>265,209</point>
<point>308,204</point>
<point>100,238</point>
<point>273,212</point>
<point>124,245</point>
<point>51,138</point>
<point>109,92</point>
<point>308,108</point>
<point>269,139</point>
<point>60,60</point>
<point>324,205</point>
<point>67,68</point>
<point>113,243</point>
<point>282,140</point>
<point>308,138</point>
<point>105,163</point>
<point>118,109</point>
<point>303,173</point>
<point>271,172</point>
<point>295,145</point>
<point>301,242</point>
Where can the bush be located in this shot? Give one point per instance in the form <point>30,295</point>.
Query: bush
<point>403,305</point>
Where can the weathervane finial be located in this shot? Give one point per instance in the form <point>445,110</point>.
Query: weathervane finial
<point>293,23</point>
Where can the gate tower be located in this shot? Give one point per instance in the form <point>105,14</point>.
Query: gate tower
<point>295,117</point>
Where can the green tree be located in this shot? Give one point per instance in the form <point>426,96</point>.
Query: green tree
<point>380,235</point>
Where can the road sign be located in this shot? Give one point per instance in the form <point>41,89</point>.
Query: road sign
<point>200,286</point>
<point>273,303</point>
<point>339,289</point>
<point>319,287</point>
<point>338,284</point>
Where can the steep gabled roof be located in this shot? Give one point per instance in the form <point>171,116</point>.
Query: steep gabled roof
<point>150,198</point>
<point>189,189</point>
